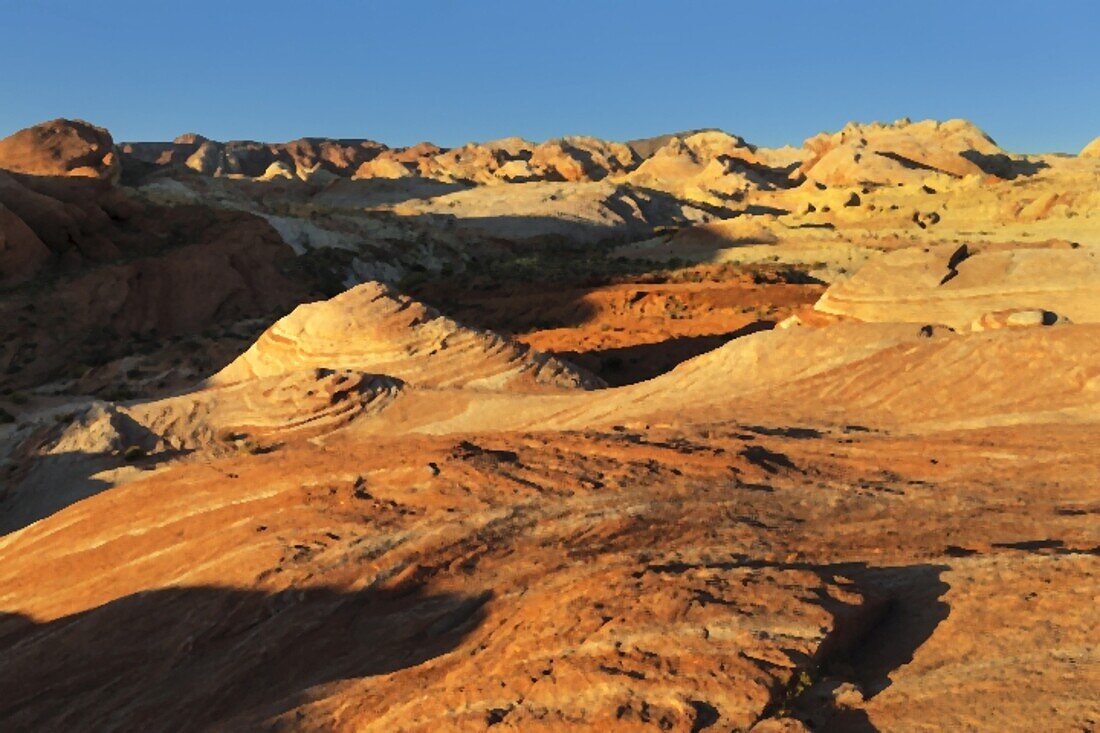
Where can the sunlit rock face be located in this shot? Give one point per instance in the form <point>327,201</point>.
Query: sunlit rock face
<point>681,433</point>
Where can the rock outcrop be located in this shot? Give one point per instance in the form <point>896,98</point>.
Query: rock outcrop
<point>372,328</point>
<point>22,253</point>
<point>515,160</point>
<point>711,167</point>
<point>251,159</point>
<point>61,148</point>
<point>577,213</point>
<point>110,265</point>
<point>902,152</point>
<point>1092,150</point>
<point>777,519</point>
<point>957,286</point>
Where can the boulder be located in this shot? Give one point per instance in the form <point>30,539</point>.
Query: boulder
<point>61,148</point>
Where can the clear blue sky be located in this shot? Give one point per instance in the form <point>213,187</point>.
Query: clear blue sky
<point>400,72</point>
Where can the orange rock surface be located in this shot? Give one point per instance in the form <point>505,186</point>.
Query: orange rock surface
<point>677,434</point>
<point>61,148</point>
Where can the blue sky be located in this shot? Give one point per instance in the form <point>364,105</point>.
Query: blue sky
<point>451,72</point>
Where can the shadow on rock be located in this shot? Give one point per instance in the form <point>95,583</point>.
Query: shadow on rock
<point>52,482</point>
<point>902,610</point>
<point>185,658</point>
<point>1004,166</point>
<point>637,363</point>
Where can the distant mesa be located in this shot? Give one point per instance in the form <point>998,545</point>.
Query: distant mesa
<point>305,157</point>
<point>707,165</point>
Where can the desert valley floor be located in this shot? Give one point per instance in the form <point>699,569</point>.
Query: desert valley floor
<point>677,434</point>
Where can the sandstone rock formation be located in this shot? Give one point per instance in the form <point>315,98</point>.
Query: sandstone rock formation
<point>373,328</point>
<point>383,167</point>
<point>253,159</point>
<point>654,545</point>
<point>902,152</point>
<point>107,265</point>
<point>514,160</point>
<point>61,148</point>
<point>580,158</point>
<point>22,253</point>
<point>578,212</point>
<point>957,286</point>
<point>708,167</point>
<point>845,478</point>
